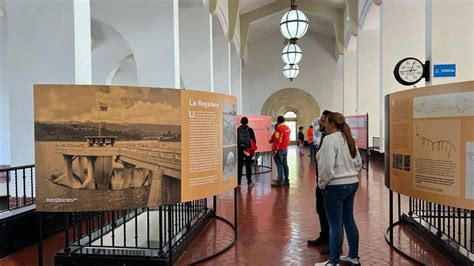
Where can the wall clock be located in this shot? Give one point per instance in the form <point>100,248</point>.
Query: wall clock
<point>410,71</point>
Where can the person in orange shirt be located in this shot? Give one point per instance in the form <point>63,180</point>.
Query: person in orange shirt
<point>280,152</point>
<point>309,135</point>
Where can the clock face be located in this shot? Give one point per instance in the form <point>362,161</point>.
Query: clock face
<point>410,70</point>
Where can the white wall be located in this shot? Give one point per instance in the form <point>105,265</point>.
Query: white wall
<point>40,50</point>
<point>195,42</point>
<point>108,50</point>
<point>262,75</point>
<point>403,35</point>
<point>350,82</point>
<point>4,97</point>
<point>338,85</point>
<point>148,27</point>
<point>368,64</point>
<point>453,38</point>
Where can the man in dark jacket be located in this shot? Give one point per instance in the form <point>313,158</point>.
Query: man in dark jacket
<point>244,135</point>
<point>324,234</point>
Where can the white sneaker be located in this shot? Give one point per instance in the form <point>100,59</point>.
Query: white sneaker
<point>326,263</point>
<point>351,261</point>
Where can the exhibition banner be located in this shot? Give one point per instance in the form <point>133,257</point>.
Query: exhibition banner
<point>262,126</point>
<point>359,129</point>
<point>114,147</point>
<point>431,143</point>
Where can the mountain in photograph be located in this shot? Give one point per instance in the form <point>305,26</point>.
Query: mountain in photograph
<point>77,131</point>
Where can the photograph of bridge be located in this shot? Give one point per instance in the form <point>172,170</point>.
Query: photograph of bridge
<point>106,147</point>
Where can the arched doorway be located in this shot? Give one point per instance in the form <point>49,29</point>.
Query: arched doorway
<point>298,101</point>
<point>291,120</point>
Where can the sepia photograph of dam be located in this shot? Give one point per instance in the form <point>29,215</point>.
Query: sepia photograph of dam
<point>106,147</point>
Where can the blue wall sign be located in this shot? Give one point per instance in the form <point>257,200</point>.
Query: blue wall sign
<point>447,70</point>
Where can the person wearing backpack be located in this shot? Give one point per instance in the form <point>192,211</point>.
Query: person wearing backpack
<point>246,142</point>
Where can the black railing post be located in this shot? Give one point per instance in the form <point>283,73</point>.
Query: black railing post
<point>66,233</point>
<point>472,231</point>
<point>214,204</point>
<point>8,190</point>
<point>439,233</point>
<point>170,235</point>
<point>136,228</point>
<point>24,187</point>
<point>399,207</point>
<point>40,238</point>
<point>390,217</point>
<point>235,212</point>
<point>160,225</point>
<point>16,188</point>
<point>32,186</point>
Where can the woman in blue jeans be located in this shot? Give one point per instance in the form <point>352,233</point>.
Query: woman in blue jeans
<point>339,163</point>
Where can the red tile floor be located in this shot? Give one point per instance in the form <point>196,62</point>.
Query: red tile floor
<point>274,224</point>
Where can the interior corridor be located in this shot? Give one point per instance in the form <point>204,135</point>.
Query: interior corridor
<point>275,223</point>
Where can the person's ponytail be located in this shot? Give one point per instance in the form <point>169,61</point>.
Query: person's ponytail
<point>346,131</point>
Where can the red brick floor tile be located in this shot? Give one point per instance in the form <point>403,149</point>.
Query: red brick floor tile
<point>274,223</point>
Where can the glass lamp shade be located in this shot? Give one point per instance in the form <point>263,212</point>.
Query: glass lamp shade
<point>294,24</point>
<point>291,54</point>
<point>291,71</point>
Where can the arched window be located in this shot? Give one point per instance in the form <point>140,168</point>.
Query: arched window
<point>290,115</point>
<point>291,118</point>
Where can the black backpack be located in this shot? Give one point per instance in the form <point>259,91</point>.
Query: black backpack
<point>244,137</point>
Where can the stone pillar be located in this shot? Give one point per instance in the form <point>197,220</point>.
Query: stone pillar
<point>80,163</point>
<point>236,76</point>
<point>41,49</point>
<point>156,195</point>
<point>89,183</point>
<point>195,45</point>
<point>151,29</point>
<point>128,174</point>
<point>220,57</point>
<point>68,167</point>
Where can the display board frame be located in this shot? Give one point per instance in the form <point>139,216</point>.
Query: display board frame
<point>429,135</point>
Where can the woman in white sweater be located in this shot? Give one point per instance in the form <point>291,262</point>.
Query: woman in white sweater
<point>339,163</point>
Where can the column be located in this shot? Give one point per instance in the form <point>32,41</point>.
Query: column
<point>80,162</point>
<point>220,57</point>
<point>151,28</point>
<point>194,45</point>
<point>368,65</point>
<point>350,80</point>
<point>68,166</point>
<point>41,49</point>
<point>236,76</point>
<point>399,38</point>
<point>156,191</point>
<point>452,38</point>
<point>4,95</point>
<point>89,183</point>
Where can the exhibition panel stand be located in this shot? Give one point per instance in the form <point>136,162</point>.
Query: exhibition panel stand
<point>130,166</point>
<point>429,157</point>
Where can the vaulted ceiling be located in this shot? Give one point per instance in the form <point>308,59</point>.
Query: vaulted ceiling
<point>326,18</point>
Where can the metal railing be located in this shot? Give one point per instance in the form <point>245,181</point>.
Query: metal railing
<point>454,223</point>
<point>17,187</point>
<point>150,232</point>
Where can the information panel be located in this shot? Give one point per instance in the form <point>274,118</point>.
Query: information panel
<point>262,126</point>
<point>112,147</point>
<point>359,129</point>
<point>431,143</point>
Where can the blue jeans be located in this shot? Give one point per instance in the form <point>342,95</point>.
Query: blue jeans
<point>282,166</point>
<point>339,205</point>
<point>312,149</point>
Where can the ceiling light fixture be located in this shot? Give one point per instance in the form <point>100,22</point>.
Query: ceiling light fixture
<point>292,53</point>
<point>291,71</point>
<point>294,23</point>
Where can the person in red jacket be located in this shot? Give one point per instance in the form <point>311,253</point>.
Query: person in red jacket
<point>280,152</point>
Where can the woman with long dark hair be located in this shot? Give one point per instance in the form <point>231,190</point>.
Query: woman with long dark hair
<point>339,163</point>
